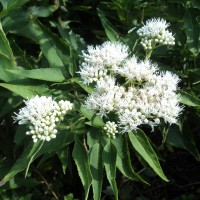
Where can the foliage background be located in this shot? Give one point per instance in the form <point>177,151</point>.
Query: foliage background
<point>40,44</point>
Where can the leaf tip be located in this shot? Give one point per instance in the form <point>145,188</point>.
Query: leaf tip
<point>1,183</point>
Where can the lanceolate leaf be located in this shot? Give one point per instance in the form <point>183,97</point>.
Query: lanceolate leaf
<point>183,139</point>
<point>110,32</point>
<point>11,5</point>
<point>87,88</point>
<point>56,50</point>
<point>26,91</point>
<point>123,159</point>
<point>6,57</point>
<point>189,99</point>
<point>109,159</point>
<point>192,30</point>
<point>142,145</point>
<point>96,166</point>
<point>80,157</point>
<point>46,74</point>
<point>4,45</point>
<point>95,119</point>
<point>25,159</point>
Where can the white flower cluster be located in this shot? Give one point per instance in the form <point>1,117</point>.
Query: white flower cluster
<point>110,129</point>
<point>136,92</point>
<point>42,114</point>
<point>101,60</point>
<point>154,33</point>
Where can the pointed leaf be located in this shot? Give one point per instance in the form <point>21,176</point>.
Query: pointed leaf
<point>6,57</point>
<point>87,88</point>
<point>26,91</point>
<point>123,159</point>
<point>109,159</point>
<point>110,31</point>
<point>46,74</point>
<point>192,30</point>
<point>63,157</point>
<point>23,161</point>
<point>96,167</point>
<point>142,145</point>
<point>11,5</point>
<point>91,115</point>
<point>55,50</point>
<point>189,99</point>
<point>182,139</point>
<point>80,157</point>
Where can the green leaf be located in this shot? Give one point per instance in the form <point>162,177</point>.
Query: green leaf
<point>91,115</point>
<point>42,11</point>
<point>142,145</point>
<point>123,159</point>
<point>192,30</point>
<point>55,50</point>
<point>10,104</point>
<point>6,57</point>
<point>96,167</point>
<point>62,139</point>
<point>9,5</point>
<point>194,76</point>
<point>182,139</point>
<point>46,74</point>
<point>80,157</point>
<point>75,41</point>
<point>23,161</point>
<point>15,20</point>
<point>110,31</point>
<point>6,63</point>
<point>188,99</point>
<point>4,45</point>
<point>26,91</point>
<point>79,81</point>
<point>63,157</point>
<point>109,159</point>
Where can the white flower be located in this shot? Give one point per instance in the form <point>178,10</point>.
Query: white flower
<point>135,91</point>
<point>106,96</point>
<point>154,33</point>
<point>42,114</point>
<point>134,71</point>
<point>108,54</point>
<point>99,61</point>
<point>110,129</point>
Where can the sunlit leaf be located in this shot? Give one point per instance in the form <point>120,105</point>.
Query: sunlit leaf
<point>96,167</point>
<point>109,159</point>
<point>142,145</point>
<point>82,162</point>
<point>188,99</point>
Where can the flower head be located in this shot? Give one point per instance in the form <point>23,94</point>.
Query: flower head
<point>134,92</point>
<point>99,61</point>
<point>154,33</point>
<point>136,71</point>
<point>42,114</point>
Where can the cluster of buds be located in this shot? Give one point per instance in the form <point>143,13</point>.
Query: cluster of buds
<point>154,33</point>
<point>42,115</point>
<point>110,129</point>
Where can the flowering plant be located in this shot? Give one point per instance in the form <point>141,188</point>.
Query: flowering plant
<point>93,112</point>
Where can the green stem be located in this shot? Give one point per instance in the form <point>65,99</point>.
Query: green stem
<point>148,54</point>
<point>136,42</point>
<point>72,125</point>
